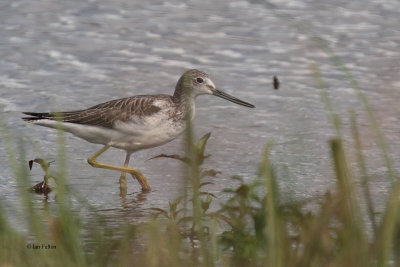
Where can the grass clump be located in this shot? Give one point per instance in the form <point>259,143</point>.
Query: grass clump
<point>254,227</point>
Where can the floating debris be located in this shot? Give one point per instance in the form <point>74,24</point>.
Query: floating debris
<point>276,83</point>
<point>42,187</point>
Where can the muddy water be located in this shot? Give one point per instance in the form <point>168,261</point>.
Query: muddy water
<point>75,54</point>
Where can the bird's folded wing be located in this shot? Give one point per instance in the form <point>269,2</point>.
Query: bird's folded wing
<point>105,114</point>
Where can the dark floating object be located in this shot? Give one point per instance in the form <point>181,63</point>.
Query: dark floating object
<point>276,83</point>
<point>42,187</point>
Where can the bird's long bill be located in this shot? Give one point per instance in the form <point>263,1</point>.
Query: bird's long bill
<point>224,95</point>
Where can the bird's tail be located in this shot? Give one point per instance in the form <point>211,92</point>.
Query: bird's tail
<point>34,116</point>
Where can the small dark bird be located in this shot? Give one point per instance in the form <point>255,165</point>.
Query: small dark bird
<point>276,83</point>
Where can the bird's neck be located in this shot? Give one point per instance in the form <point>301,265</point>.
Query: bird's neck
<point>183,97</point>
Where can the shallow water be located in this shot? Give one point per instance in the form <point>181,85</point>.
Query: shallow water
<point>75,54</point>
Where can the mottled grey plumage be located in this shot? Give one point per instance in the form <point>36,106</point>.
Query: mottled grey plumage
<point>107,113</point>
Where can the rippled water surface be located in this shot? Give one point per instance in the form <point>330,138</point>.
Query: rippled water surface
<point>74,54</point>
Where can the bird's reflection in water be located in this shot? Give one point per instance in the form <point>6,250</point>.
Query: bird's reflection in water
<point>133,208</point>
<point>133,199</point>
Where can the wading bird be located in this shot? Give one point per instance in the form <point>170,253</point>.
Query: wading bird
<point>135,123</point>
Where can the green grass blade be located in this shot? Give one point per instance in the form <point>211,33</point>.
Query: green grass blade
<point>275,227</point>
<point>363,169</point>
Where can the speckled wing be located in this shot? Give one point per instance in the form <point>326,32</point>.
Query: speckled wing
<point>105,114</point>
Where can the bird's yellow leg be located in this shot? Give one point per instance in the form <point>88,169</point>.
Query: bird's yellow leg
<point>134,172</point>
<point>122,179</point>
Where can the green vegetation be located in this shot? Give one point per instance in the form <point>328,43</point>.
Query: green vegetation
<point>253,227</point>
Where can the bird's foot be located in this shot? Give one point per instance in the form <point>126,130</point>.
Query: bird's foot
<point>142,181</point>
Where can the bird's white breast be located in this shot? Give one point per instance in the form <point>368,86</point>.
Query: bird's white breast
<point>149,131</point>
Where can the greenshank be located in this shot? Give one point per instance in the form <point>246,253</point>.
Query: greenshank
<point>135,123</point>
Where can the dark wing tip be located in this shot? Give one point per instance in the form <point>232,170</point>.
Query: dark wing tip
<point>35,116</point>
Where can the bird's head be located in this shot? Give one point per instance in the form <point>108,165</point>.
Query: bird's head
<point>195,83</point>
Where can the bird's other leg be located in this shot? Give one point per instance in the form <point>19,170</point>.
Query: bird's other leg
<point>134,172</point>
<point>122,178</point>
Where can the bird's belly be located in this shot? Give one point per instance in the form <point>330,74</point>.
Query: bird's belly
<point>138,138</point>
<point>128,136</point>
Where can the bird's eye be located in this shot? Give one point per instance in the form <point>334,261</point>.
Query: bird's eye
<point>200,80</point>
